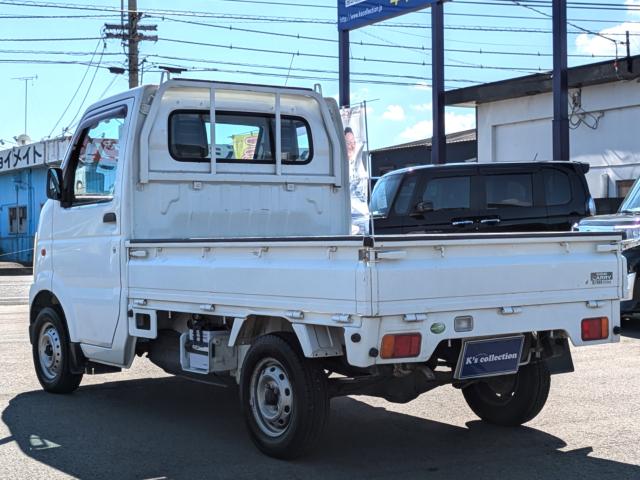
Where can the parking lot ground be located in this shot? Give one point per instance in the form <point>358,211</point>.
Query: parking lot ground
<point>142,423</point>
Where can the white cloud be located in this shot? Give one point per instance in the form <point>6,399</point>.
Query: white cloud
<point>635,4</point>
<point>422,86</point>
<point>394,113</point>
<point>598,45</point>
<point>418,131</point>
<point>423,107</point>
<point>454,122</point>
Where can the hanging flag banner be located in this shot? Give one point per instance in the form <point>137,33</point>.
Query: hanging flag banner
<point>353,122</point>
<point>354,14</point>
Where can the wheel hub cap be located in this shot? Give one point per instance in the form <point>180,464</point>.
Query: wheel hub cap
<point>50,351</point>
<point>271,397</point>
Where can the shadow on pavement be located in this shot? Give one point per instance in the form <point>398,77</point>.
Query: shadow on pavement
<point>631,328</point>
<point>173,428</point>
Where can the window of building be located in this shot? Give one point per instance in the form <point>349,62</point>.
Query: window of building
<point>509,191</point>
<point>240,138</point>
<point>623,187</point>
<point>17,220</point>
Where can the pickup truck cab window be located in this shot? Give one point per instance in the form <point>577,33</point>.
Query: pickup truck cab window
<point>240,137</point>
<point>95,161</point>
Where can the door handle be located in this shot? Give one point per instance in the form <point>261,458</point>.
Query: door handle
<point>488,221</point>
<point>460,223</point>
<point>109,217</point>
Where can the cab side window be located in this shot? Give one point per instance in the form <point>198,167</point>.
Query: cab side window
<point>95,161</point>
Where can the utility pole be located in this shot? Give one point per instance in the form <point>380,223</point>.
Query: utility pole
<point>26,81</point>
<point>560,83</point>
<point>129,33</point>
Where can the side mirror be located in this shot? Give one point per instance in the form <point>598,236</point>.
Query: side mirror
<point>422,208</point>
<point>54,184</point>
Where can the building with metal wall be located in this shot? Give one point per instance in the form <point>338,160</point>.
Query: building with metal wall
<point>23,174</point>
<point>515,116</point>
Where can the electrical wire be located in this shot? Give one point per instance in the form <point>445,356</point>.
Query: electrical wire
<point>334,57</point>
<point>87,92</point>
<point>73,97</point>
<point>420,48</point>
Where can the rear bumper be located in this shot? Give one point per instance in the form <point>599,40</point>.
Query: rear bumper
<point>363,342</point>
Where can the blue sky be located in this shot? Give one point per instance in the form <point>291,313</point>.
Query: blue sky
<point>486,40</point>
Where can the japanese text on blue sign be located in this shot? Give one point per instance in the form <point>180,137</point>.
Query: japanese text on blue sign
<point>354,14</point>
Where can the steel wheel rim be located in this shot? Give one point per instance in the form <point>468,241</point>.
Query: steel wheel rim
<point>271,397</point>
<point>50,351</point>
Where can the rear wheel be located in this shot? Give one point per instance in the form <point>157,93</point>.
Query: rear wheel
<point>51,353</point>
<point>284,397</point>
<point>511,400</point>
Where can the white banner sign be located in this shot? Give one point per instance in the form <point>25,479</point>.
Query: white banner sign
<point>357,152</point>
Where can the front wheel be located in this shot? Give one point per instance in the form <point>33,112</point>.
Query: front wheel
<point>511,400</point>
<point>51,353</point>
<point>284,397</point>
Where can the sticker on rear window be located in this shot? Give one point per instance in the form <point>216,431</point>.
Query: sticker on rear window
<point>601,278</point>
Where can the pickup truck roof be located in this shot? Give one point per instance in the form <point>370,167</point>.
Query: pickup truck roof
<point>134,92</point>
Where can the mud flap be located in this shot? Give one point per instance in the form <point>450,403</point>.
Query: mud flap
<point>560,361</point>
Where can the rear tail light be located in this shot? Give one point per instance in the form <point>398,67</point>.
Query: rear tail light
<point>595,328</point>
<point>401,345</point>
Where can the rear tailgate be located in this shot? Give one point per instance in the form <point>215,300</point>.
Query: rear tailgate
<point>500,275</point>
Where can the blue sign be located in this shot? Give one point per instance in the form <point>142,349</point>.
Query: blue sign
<point>486,358</point>
<point>354,14</point>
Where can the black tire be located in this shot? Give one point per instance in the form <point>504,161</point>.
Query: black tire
<point>51,353</point>
<point>511,401</point>
<point>295,395</point>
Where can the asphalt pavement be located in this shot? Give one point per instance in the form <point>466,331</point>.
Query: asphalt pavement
<point>143,424</point>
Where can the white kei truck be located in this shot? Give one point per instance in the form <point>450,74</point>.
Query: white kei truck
<point>206,226</point>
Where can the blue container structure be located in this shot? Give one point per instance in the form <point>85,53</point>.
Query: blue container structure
<point>23,175</point>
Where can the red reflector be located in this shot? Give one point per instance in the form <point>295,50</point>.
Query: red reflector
<point>401,345</point>
<point>595,328</point>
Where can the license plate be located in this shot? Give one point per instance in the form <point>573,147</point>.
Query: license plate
<point>489,357</point>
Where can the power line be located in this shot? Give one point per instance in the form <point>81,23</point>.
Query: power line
<point>421,48</point>
<point>87,92</point>
<point>67,39</point>
<point>334,57</point>
<point>77,90</point>
<point>308,70</point>
<point>164,12</point>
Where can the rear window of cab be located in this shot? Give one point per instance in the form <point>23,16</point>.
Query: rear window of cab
<point>240,137</point>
